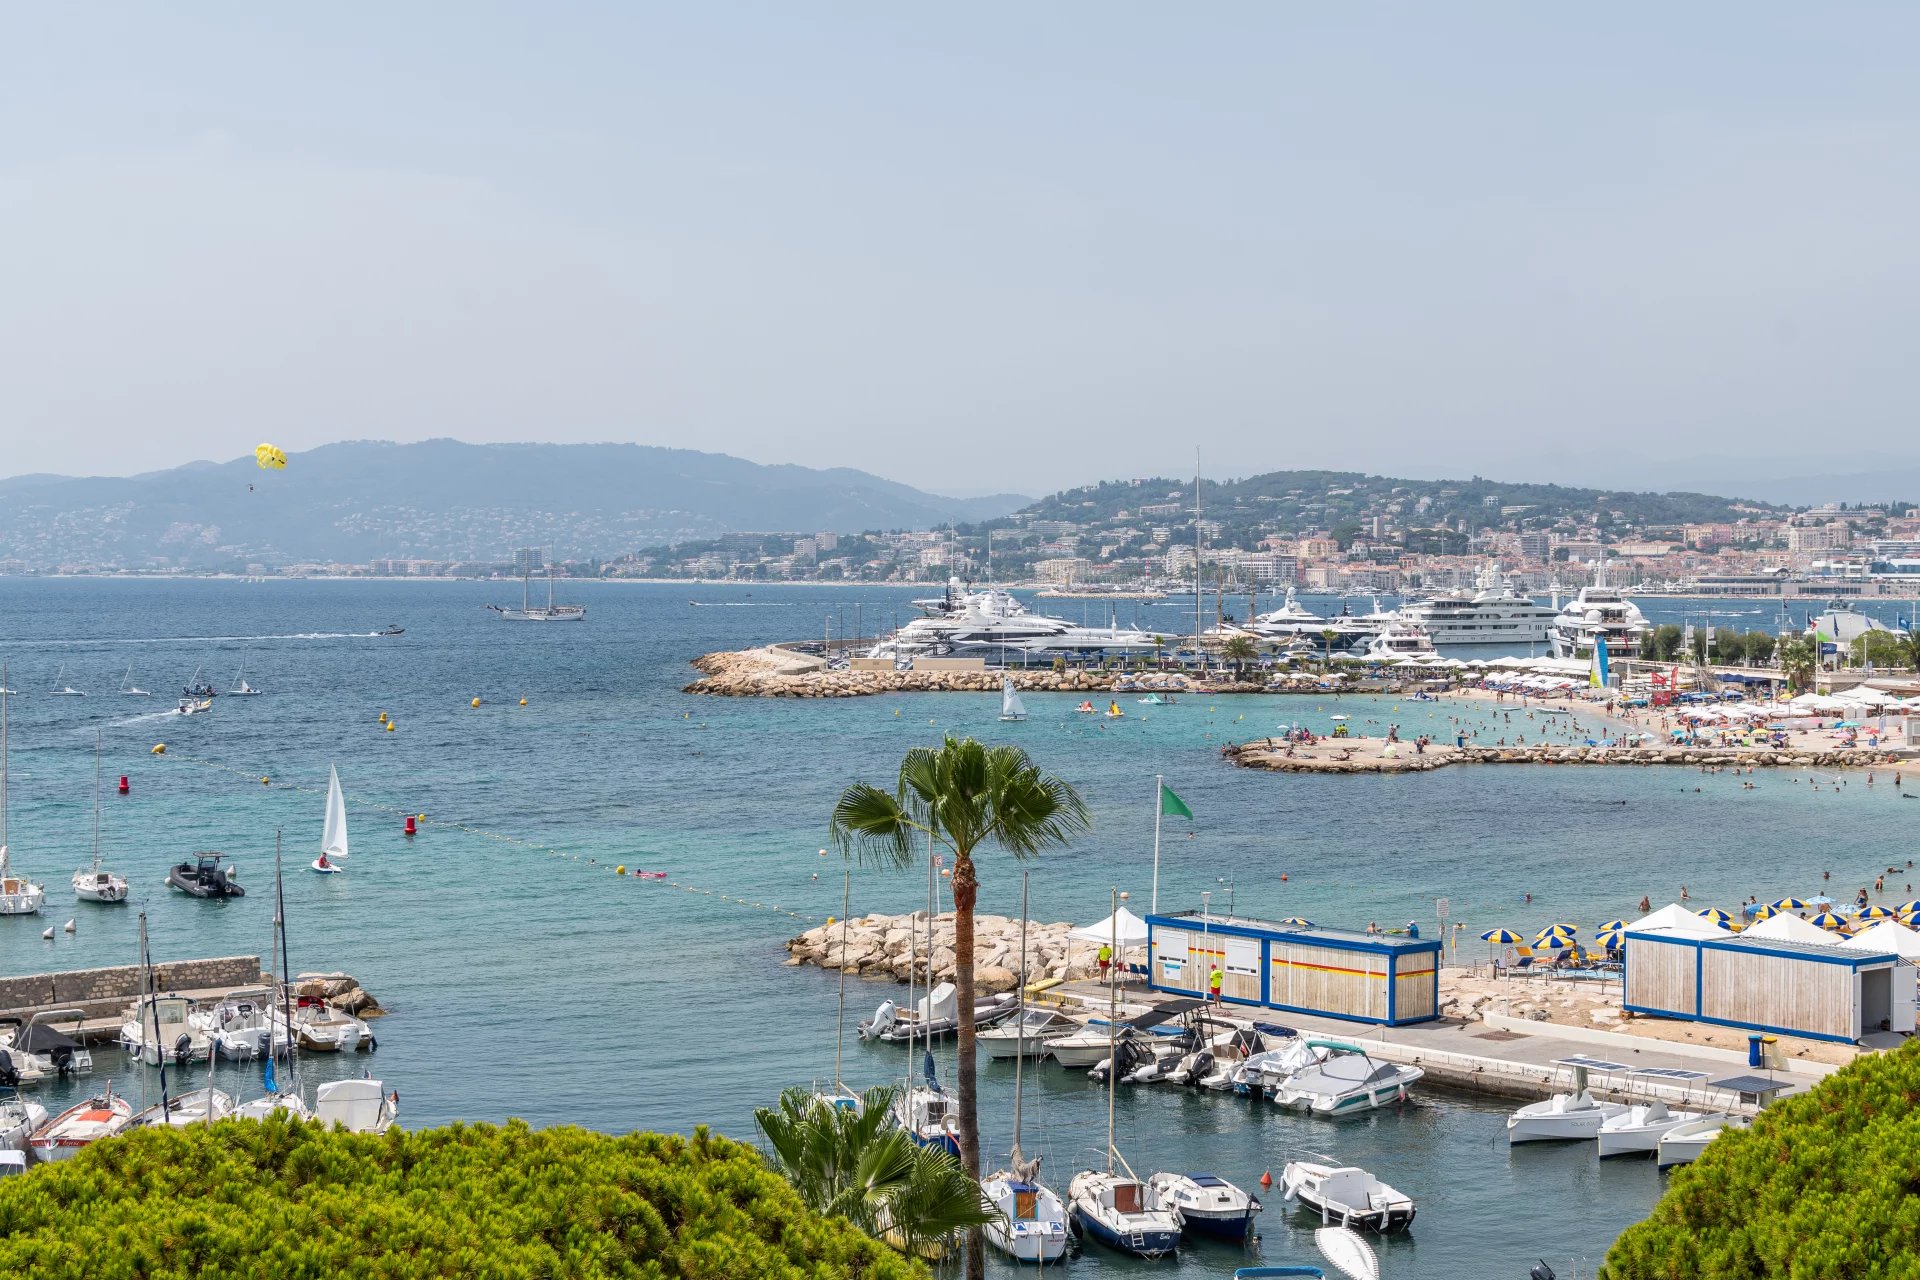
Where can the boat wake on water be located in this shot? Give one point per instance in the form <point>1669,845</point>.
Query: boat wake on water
<point>296,635</point>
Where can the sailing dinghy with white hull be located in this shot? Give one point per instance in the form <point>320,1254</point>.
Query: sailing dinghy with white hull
<point>1011,708</point>
<point>333,837</point>
<point>91,884</point>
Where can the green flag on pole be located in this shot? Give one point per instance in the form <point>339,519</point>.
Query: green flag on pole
<point>1173,804</point>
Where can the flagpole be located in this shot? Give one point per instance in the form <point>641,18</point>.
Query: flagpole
<point>1158,781</point>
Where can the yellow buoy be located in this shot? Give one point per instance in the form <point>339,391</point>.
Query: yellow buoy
<point>383,717</point>
<point>476,702</point>
<point>159,748</point>
<point>829,919</point>
<point>389,726</point>
<point>523,702</point>
<point>264,782</point>
<point>620,870</point>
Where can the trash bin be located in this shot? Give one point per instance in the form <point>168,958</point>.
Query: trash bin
<point>1756,1050</point>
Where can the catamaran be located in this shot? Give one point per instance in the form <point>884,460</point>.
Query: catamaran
<point>1011,708</point>
<point>333,837</point>
<point>530,612</point>
<point>91,884</point>
<point>129,689</point>
<point>19,896</point>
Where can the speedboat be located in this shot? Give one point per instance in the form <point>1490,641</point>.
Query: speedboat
<point>318,1027</point>
<point>1565,1117</point>
<point>81,1125</point>
<point>1254,1059</point>
<point>161,1029</point>
<point>1346,1082</point>
<point>1123,1213</point>
<point>1087,1047</point>
<point>936,1014</point>
<point>268,1104</point>
<point>1207,1204</point>
<point>359,1106</point>
<point>196,1106</point>
<point>1347,1195</point>
<point>40,1051</point>
<point>1638,1129</point>
<point>240,1025</point>
<point>392,629</point>
<point>19,1117</point>
<point>1684,1143</point>
<point>1029,1034</point>
<point>1032,1222</point>
<point>204,877</point>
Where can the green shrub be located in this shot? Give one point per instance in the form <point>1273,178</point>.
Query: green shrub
<point>1825,1184</point>
<point>294,1202</point>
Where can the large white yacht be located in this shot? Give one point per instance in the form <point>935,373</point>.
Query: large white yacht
<point>1598,610</point>
<point>1492,613</point>
<point>1294,621</point>
<point>991,623</point>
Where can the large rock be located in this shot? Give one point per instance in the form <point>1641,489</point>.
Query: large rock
<point>994,979</point>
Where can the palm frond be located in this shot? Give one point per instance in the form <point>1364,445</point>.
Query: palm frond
<point>872,825</point>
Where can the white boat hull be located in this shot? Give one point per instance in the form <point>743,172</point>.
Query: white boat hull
<point>1540,1122</point>
<point>1638,1135</point>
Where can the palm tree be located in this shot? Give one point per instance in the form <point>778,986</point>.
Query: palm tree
<point>962,796</point>
<point>1327,637</point>
<point>1159,643</point>
<point>1798,654</point>
<point>847,1161</point>
<point>1239,650</point>
<point>1910,646</point>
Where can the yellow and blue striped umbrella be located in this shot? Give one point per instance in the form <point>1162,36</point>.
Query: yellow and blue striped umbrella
<point>1908,908</point>
<point>1766,913</point>
<point>1828,920</point>
<point>1505,937</point>
<point>1296,920</point>
<point>1557,937</point>
<point>1612,939</point>
<point>1876,913</point>
<point>1790,904</point>
<point>1716,915</point>
<point>1613,924</point>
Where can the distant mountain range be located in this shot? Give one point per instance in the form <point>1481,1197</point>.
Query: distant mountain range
<point>444,500</point>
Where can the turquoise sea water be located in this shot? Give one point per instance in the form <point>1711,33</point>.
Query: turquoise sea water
<point>534,983</point>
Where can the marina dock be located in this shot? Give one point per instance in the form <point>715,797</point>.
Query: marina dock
<point>102,995</point>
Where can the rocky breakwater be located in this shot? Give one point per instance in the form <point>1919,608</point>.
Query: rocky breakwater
<point>882,946</point>
<point>340,990</point>
<point>772,672</point>
<point>1370,755</point>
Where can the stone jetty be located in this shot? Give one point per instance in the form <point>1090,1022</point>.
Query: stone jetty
<point>772,672</point>
<point>104,994</point>
<point>881,946</point>
<point>1372,755</point>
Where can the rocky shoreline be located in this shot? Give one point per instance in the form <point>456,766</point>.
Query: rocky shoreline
<point>1369,755</point>
<point>881,946</point>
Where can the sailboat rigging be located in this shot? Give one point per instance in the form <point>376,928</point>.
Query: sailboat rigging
<point>333,836</point>
<point>1011,708</point>
<point>91,884</point>
<point>19,896</point>
<point>530,612</point>
<point>128,688</point>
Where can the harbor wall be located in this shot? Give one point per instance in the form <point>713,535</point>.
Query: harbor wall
<point>82,987</point>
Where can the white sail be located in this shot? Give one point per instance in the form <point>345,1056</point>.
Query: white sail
<point>333,842</point>
<point>1011,708</point>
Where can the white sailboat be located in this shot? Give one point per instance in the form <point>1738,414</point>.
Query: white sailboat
<point>530,612</point>
<point>91,884</point>
<point>333,837</point>
<point>19,896</point>
<point>240,686</point>
<point>1011,708</point>
<point>63,690</point>
<point>128,688</point>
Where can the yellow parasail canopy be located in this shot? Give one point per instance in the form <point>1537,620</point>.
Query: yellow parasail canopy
<point>270,457</point>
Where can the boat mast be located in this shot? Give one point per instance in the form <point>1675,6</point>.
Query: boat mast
<point>96,800</point>
<point>549,559</point>
<point>913,963</point>
<point>153,1011</point>
<point>286,977</point>
<point>6,868</point>
<point>1020,1025</point>
<point>1113,1014</point>
<point>1196,560</point>
<point>840,1041</point>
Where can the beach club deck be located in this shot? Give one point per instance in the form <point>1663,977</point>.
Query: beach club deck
<point>1297,967</point>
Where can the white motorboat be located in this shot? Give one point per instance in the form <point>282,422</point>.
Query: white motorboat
<point>63,690</point>
<point>530,612</point>
<point>359,1106</point>
<point>1207,1204</point>
<point>1347,1253</point>
<point>1346,1082</point>
<point>19,896</point>
<point>1398,641</point>
<point>1347,1195</point>
<point>91,884</point>
<point>1084,1048</point>
<point>1123,1213</point>
<point>1011,708</point>
<point>1565,1117</point>
<point>81,1125</point>
<point>1493,613</point>
<point>19,1118</point>
<point>333,835</point>
<point>318,1027</point>
<point>1032,1226</point>
<point>1027,1035</point>
<point>1265,1071</point>
<point>268,1104</point>
<point>38,1050</point>
<point>1598,610</point>
<point>161,1029</point>
<point>1638,1129</point>
<point>129,689</point>
<point>241,1025</point>
<point>1684,1143</point>
<point>196,1106</point>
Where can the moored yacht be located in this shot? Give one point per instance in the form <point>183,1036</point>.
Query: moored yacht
<point>1492,613</point>
<point>161,1029</point>
<point>1347,1195</point>
<point>1027,1035</point>
<point>1123,1213</point>
<point>1207,1204</point>
<point>1346,1082</point>
<point>1638,1129</point>
<point>91,884</point>
<point>81,1125</point>
<point>358,1106</point>
<point>1684,1143</point>
<point>1599,610</point>
<point>1400,640</point>
<point>1565,1117</point>
<point>19,896</point>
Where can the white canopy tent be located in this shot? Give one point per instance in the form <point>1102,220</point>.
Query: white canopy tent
<point>1129,928</point>
<point>1787,927</point>
<point>1675,918</point>
<point>1888,935</point>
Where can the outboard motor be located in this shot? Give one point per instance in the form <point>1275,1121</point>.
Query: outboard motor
<point>62,1058</point>
<point>9,1074</point>
<point>1191,1068</point>
<point>1541,1272</point>
<point>183,1048</point>
<point>881,1024</point>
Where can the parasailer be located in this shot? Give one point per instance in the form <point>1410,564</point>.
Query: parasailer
<point>270,457</point>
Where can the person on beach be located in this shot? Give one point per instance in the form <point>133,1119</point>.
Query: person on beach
<point>1105,958</point>
<point>1646,903</point>
<point>1214,980</point>
<point>1683,893</point>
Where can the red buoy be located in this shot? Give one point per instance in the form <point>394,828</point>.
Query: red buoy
<point>123,784</point>
<point>1266,1181</point>
<point>409,824</point>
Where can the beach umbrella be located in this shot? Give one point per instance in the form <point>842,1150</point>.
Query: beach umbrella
<point>1792,904</point>
<point>1716,915</point>
<point>1828,920</point>
<point>1296,920</point>
<point>1612,939</point>
<point>1505,937</point>
<point>1876,913</point>
<point>1612,925</point>
<point>1766,913</point>
<point>1908,908</point>
<point>1555,937</point>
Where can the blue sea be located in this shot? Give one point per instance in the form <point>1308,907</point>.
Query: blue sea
<point>525,979</point>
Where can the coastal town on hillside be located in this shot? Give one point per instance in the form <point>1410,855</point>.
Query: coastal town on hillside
<point>1346,534</point>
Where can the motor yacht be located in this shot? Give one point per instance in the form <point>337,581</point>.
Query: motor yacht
<point>1398,640</point>
<point>1207,1204</point>
<point>1684,1143</point>
<point>241,1025</point>
<point>1565,1117</point>
<point>38,1050</point>
<point>1491,613</point>
<point>1638,1129</point>
<point>318,1027</point>
<point>81,1125</point>
<point>1346,1082</point>
<point>1347,1196</point>
<point>1598,610</point>
<point>1084,1048</point>
<point>1028,1035</point>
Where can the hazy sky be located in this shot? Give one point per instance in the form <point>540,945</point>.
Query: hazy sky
<point>987,246</point>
